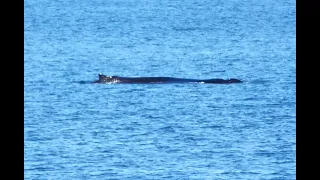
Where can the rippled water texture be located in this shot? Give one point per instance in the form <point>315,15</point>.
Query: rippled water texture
<point>77,130</point>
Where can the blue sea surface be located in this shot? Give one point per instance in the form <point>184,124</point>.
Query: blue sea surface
<point>77,130</point>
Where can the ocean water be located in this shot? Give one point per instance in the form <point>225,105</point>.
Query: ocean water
<point>76,130</point>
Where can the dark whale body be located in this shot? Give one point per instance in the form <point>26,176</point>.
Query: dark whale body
<point>147,80</point>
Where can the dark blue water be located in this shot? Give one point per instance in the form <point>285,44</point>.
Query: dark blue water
<point>77,130</point>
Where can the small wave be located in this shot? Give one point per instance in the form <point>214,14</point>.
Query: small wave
<point>219,71</point>
<point>185,29</point>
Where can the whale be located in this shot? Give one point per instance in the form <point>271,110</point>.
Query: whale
<point>104,79</point>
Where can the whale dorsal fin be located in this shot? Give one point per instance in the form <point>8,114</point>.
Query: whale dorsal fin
<point>103,77</point>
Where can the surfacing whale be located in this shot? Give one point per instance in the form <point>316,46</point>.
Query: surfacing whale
<point>148,80</point>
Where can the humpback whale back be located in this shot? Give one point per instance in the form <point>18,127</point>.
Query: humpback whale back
<point>222,81</point>
<point>139,80</point>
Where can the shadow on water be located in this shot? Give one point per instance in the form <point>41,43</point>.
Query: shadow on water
<point>83,82</point>
<point>259,81</point>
